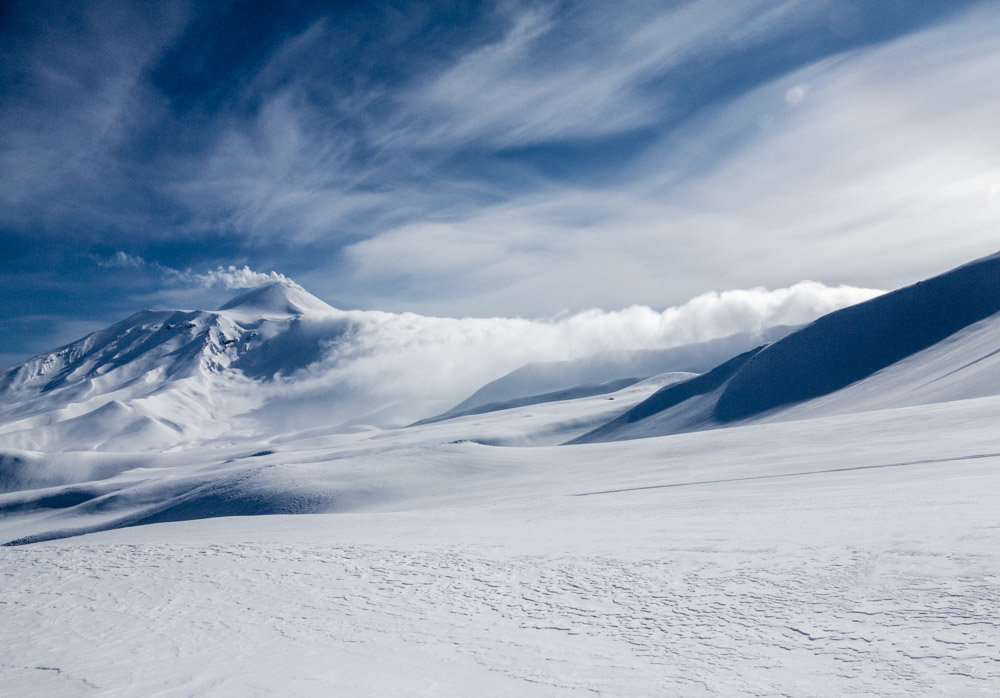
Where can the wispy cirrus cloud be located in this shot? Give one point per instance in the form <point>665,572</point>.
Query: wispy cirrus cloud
<point>319,160</point>
<point>839,169</point>
<point>521,158</point>
<point>567,73</point>
<point>77,97</point>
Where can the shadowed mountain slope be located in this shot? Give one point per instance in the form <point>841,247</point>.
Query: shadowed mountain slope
<point>946,327</point>
<point>851,344</point>
<point>545,381</point>
<point>671,396</point>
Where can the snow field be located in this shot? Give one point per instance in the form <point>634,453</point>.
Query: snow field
<point>850,554</point>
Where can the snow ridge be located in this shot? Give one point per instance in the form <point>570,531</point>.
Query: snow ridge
<point>865,343</point>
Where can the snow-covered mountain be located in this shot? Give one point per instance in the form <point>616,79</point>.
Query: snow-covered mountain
<point>936,340</point>
<point>276,360</point>
<point>163,377</point>
<point>545,381</point>
<point>268,369</point>
<point>861,448</point>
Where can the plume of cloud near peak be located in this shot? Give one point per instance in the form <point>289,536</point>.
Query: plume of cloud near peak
<point>229,277</point>
<point>233,277</point>
<point>119,260</point>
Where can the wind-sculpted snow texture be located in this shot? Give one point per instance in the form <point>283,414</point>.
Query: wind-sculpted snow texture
<point>695,622</point>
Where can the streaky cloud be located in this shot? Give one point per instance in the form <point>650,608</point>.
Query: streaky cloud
<point>870,167</point>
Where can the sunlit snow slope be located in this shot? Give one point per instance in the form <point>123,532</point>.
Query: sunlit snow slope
<point>162,378</point>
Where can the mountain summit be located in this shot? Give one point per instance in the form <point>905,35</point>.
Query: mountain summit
<point>277,298</point>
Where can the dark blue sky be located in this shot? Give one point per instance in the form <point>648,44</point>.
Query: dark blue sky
<point>517,158</point>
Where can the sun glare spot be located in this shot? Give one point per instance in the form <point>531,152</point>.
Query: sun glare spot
<point>795,95</point>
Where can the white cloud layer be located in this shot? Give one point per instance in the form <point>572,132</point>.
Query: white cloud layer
<point>407,366</point>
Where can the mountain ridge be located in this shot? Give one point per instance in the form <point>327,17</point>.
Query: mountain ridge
<point>171,373</point>
<point>545,377</point>
<point>837,351</point>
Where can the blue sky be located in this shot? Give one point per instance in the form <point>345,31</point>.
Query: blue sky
<point>508,158</point>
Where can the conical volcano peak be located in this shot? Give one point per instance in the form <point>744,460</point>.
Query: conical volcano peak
<point>277,298</point>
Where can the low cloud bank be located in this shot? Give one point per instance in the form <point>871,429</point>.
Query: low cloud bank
<point>388,368</point>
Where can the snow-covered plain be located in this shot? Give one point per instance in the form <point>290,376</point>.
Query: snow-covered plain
<point>852,554</point>
<point>816,549</point>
